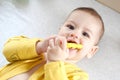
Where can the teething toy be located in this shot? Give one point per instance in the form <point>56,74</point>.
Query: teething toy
<point>74,45</point>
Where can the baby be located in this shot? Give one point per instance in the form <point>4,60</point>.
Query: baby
<point>51,58</point>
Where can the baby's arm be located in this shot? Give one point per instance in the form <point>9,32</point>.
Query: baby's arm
<point>60,70</point>
<point>20,48</point>
<point>23,48</point>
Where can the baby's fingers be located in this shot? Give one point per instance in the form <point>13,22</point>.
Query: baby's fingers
<point>51,43</point>
<point>63,44</point>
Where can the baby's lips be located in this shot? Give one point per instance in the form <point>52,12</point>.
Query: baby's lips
<point>74,45</point>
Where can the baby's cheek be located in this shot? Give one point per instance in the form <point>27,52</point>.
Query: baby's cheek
<point>83,51</point>
<point>87,43</point>
<point>82,55</point>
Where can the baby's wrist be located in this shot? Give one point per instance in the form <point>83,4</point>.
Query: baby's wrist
<point>55,59</point>
<point>48,61</point>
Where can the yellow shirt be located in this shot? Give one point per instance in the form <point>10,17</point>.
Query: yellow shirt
<point>21,53</point>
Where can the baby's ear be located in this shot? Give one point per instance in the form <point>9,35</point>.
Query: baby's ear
<point>92,52</point>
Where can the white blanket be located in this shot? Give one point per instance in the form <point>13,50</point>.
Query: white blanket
<point>33,17</point>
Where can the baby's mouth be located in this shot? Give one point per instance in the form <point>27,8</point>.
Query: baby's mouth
<point>71,41</point>
<point>71,45</point>
<point>73,48</point>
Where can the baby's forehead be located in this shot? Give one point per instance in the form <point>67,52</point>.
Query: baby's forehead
<point>81,17</point>
<point>81,14</point>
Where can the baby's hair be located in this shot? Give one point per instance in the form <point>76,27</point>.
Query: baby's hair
<point>95,14</point>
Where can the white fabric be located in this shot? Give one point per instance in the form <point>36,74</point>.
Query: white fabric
<point>41,18</point>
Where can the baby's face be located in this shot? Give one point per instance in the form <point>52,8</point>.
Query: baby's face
<point>81,28</point>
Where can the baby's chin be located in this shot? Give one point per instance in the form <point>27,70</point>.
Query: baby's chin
<point>72,53</point>
<point>73,56</point>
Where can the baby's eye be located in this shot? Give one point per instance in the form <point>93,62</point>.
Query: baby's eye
<point>71,27</point>
<point>85,34</point>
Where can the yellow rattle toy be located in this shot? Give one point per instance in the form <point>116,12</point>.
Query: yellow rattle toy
<point>74,46</point>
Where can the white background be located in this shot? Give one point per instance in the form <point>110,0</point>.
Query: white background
<point>42,18</point>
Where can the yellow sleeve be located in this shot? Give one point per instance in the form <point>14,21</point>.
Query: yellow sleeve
<point>20,48</point>
<point>60,71</point>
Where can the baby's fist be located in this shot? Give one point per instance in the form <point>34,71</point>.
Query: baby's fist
<point>57,50</point>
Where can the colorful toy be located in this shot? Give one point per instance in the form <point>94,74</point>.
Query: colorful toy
<point>74,45</point>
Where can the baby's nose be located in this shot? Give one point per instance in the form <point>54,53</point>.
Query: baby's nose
<point>74,35</point>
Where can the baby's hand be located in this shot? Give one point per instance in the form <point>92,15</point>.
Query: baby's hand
<point>43,45</point>
<point>57,49</point>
